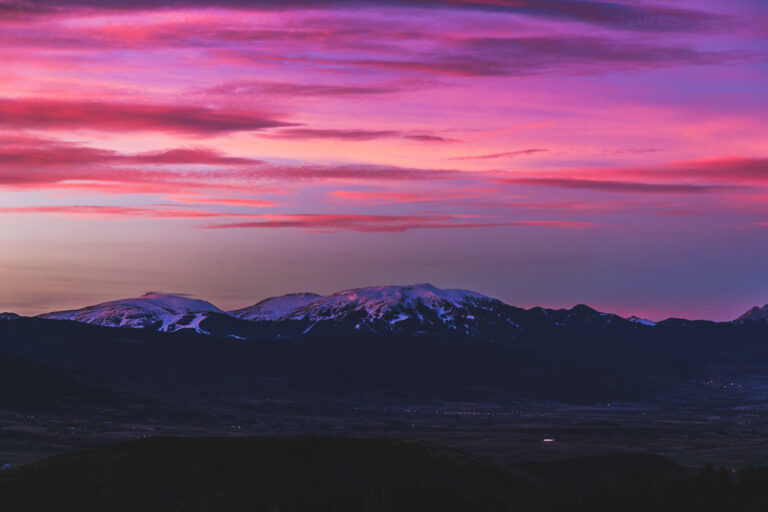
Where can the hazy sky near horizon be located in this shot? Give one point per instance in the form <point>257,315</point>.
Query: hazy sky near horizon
<point>545,152</point>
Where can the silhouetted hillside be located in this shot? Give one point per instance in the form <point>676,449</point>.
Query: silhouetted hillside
<point>299,474</point>
<point>325,474</point>
<point>29,386</point>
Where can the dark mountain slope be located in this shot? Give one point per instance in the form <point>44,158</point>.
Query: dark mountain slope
<point>578,365</point>
<point>29,386</point>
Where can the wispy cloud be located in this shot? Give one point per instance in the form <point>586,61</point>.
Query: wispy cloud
<point>292,89</point>
<point>351,135</point>
<point>737,170</point>
<point>382,223</point>
<point>526,56</point>
<point>97,211</point>
<point>121,117</point>
<point>30,153</point>
<point>505,154</point>
<point>29,162</point>
<point>306,221</point>
<point>629,187</point>
<point>389,197</point>
<point>615,15</point>
<point>224,201</point>
<point>686,177</point>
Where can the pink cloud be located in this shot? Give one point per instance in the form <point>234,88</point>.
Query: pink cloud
<point>385,197</point>
<point>37,152</point>
<point>248,88</point>
<point>688,177</point>
<point>630,187</point>
<point>736,170</point>
<point>308,221</point>
<point>382,223</point>
<point>118,211</point>
<point>351,135</point>
<point>519,152</point>
<point>253,203</point>
<point>532,55</point>
<point>188,156</point>
<point>121,117</point>
<point>615,15</point>
<point>28,162</point>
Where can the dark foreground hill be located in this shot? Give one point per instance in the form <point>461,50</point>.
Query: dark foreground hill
<point>317,474</point>
<point>583,365</point>
<point>365,368</point>
<point>28,385</point>
<point>326,474</point>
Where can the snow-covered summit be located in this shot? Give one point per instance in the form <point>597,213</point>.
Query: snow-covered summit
<point>9,316</point>
<point>642,321</point>
<point>275,308</point>
<point>408,309</point>
<point>163,312</point>
<point>178,303</point>
<point>377,301</point>
<point>412,309</point>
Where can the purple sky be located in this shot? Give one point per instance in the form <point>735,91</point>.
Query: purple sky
<point>545,152</point>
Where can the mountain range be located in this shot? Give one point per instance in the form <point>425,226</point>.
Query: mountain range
<point>390,344</point>
<point>414,310</point>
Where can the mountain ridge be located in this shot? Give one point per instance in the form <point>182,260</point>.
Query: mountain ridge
<point>755,314</point>
<point>273,308</point>
<point>395,309</point>
<point>153,310</point>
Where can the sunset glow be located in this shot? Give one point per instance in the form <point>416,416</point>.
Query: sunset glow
<point>542,152</point>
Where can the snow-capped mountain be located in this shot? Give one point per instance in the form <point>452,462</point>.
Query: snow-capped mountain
<point>156,311</point>
<point>381,302</point>
<point>756,314</point>
<point>392,309</point>
<point>642,321</point>
<point>275,308</point>
<point>8,316</point>
<point>402,310</point>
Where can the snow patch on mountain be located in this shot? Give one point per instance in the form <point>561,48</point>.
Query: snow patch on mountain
<point>412,309</point>
<point>380,301</point>
<point>642,321</point>
<point>275,308</point>
<point>162,312</point>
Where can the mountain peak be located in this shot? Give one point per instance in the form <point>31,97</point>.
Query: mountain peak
<point>154,310</point>
<point>642,321</point>
<point>390,308</point>
<point>388,304</point>
<point>424,287</point>
<point>174,302</point>
<point>584,310</point>
<point>275,308</point>
<point>162,295</point>
<point>423,291</point>
<point>755,314</point>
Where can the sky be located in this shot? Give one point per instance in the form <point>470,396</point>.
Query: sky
<point>544,152</point>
